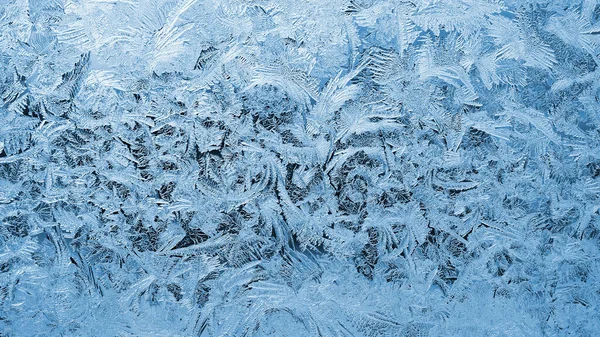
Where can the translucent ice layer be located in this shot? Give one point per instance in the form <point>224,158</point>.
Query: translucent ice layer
<point>328,168</point>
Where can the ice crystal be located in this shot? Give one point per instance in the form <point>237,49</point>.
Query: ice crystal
<point>299,168</point>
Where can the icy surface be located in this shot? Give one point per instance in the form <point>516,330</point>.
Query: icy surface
<point>299,168</point>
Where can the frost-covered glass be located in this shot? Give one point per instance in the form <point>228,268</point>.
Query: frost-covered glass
<point>328,168</point>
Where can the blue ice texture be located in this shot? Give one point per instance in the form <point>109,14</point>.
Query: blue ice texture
<point>333,168</point>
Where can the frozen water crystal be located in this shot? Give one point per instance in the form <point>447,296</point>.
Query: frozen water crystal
<point>299,168</point>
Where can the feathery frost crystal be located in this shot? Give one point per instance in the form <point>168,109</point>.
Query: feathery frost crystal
<point>299,168</point>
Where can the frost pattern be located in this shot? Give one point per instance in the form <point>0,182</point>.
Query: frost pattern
<point>299,168</point>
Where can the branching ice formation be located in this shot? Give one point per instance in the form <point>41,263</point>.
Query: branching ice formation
<point>299,168</point>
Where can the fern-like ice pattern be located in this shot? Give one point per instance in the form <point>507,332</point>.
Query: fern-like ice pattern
<point>299,168</point>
